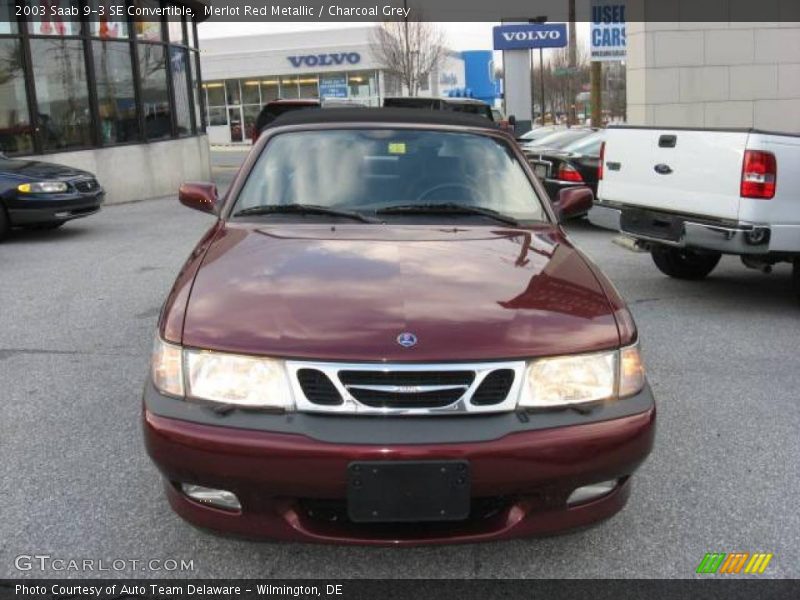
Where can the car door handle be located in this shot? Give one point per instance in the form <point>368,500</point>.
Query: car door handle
<point>663,169</point>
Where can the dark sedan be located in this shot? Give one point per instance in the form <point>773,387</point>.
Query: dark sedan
<point>35,194</point>
<point>574,164</point>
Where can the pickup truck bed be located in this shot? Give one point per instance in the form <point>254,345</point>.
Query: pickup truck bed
<point>694,194</point>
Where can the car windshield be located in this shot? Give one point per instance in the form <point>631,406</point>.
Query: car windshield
<point>369,170</point>
<point>589,145</point>
<point>559,139</point>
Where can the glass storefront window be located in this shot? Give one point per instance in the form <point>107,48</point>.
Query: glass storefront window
<point>47,24</point>
<point>232,93</point>
<point>180,87</point>
<point>148,28</point>
<point>198,120</point>
<point>217,115</point>
<point>362,84</point>
<point>309,86</point>
<point>190,33</point>
<point>270,90</point>
<point>216,93</point>
<point>116,101</point>
<point>105,25</point>
<point>250,114</point>
<point>250,93</point>
<point>175,30</point>
<point>155,98</point>
<point>16,134</point>
<point>8,22</point>
<point>59,74</point>
<point>289,88</point>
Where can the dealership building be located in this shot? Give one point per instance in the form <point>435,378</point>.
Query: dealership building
<point>242,73</point>
<point>121,98</point>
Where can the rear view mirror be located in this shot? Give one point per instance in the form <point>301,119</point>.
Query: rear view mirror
<point>512,120</point>
<point>200,196</point>
<point>574,201</point>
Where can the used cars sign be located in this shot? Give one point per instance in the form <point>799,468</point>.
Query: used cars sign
<point>530,35</point>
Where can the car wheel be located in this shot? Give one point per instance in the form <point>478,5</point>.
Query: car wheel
<point>5,223</point>
<point>681,263</point>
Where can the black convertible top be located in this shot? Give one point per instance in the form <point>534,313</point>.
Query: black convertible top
<point>413,116</point>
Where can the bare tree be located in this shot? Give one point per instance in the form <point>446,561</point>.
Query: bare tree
<point>410,51</point>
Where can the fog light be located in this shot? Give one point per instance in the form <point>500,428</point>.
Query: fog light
<point>590,492</point>
<point>219,498</point>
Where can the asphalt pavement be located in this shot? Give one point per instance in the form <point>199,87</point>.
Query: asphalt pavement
<point>79,307</point>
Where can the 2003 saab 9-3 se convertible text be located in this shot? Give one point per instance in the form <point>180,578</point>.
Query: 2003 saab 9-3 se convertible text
<point>387,338</point>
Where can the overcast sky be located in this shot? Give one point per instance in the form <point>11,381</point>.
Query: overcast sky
<point>460,36</point>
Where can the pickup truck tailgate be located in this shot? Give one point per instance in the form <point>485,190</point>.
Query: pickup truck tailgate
<point>683,171</point>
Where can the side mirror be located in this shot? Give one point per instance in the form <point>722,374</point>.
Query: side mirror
<point>199,196</point>
<point>574,201</point>
<point>512,120</point>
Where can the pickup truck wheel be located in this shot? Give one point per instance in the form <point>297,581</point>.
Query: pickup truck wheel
<point>681,263</point>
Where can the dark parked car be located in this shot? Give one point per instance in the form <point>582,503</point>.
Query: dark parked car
<point>35,194</point>
<point>575,164</point>
<point>274,109</point>
<point>469,106</point>
<point>386,337</point>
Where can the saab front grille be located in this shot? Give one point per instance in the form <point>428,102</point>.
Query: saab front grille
<point>405,388</point>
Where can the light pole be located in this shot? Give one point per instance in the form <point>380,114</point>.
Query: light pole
<point>540,20</point>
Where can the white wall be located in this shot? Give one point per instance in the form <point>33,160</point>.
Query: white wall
<point>141,171</point>
<point>714,74</point>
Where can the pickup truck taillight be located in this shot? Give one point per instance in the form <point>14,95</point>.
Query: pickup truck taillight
<point>602,160</point>
<point>566,172</point>
<point>759,172</point>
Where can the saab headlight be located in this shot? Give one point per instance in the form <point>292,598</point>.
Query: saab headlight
<point>43,187</point>
<point>585,378</point>
<point>239,380</point>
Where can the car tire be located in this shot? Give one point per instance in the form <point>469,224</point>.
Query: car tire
<point>5,223</point>
<point>682,263</point>
<point>796,277</point>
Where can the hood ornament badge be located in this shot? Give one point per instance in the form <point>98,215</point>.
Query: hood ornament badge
<point>407,339</point>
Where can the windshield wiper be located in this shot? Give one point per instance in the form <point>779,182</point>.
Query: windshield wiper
<point>447,208</point>
<point>303,209</point>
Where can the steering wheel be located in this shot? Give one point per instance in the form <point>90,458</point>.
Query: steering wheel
<point>473,193</point>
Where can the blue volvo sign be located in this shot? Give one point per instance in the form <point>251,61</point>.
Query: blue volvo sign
<point>530,35</point>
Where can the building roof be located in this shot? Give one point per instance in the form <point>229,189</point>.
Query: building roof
<point>413,116</point>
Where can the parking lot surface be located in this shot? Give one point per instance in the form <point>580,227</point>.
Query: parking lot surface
<point>79,307</point>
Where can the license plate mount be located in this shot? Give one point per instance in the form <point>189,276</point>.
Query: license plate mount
<point>408,491</point>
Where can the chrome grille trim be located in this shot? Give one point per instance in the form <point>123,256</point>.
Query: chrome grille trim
<point>351,405</point>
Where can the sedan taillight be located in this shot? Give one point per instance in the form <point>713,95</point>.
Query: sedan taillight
<point>566,172</point>
<point>759,174</point>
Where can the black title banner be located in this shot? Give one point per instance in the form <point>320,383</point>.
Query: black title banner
<point>418,589</point>
<point>697,11</point>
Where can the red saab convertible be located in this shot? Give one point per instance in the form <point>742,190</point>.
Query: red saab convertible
<point>387,338</point>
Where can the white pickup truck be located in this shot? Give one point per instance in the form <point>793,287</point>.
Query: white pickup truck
<point>691,195</point>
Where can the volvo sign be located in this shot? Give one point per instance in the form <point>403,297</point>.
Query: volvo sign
<point>325,60</point>
<point>530,35</point>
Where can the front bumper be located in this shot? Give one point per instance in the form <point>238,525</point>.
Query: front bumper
<point>741,238</point>
<point>50,208</point>
<point>523,466</point>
